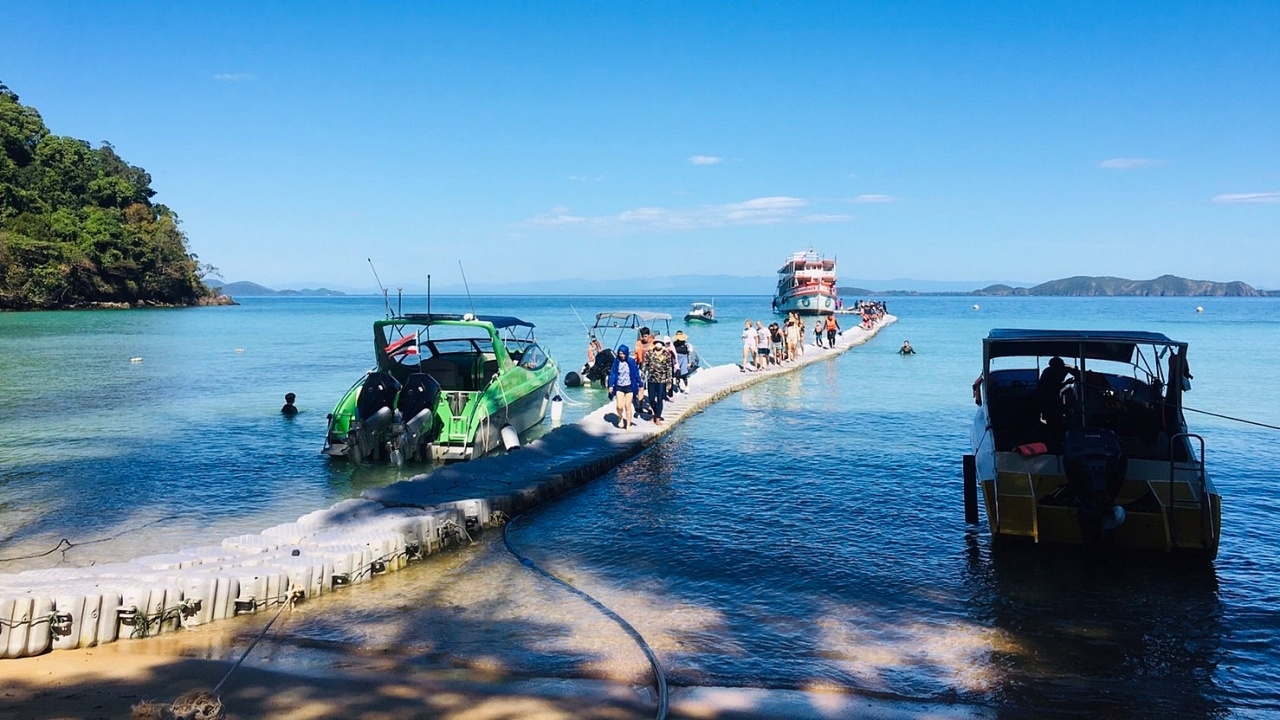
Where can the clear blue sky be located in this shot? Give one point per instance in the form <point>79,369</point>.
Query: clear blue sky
<point>983,141</point>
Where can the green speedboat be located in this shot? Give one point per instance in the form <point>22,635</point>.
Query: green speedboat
<point>444,387</point>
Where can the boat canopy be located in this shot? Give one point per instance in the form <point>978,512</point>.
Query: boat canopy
<point>629,318</point>
<point>1112,345</point>
<point>701,306</point>
<point>498,321</point>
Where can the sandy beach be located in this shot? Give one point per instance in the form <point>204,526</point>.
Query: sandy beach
<point>467,635</point>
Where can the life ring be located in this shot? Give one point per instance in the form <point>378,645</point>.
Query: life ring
<point>805,302</point>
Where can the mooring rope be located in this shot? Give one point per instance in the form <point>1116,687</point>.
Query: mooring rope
<point>64,544</point>
<point>660,679</point>
<point>1236,419</point>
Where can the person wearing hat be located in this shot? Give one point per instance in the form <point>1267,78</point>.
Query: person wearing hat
<point>681,346</point>
<point>658,364</point>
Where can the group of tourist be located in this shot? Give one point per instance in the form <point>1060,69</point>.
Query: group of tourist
<point>872,311</point>
<point>777,344</point>
<point>658,368</point>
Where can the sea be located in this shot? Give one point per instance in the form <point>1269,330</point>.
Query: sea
<point>805,533</point>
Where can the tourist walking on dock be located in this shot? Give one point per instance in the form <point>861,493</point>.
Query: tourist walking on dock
<point>833,327</point>
<point>817,331</point>
<point>792,334</point>
<point>776,349</point>
<point>762,346</point>
<point>624,381</point>
<point>657,371</point>
<point>748,346</point>
<point>681,346</point>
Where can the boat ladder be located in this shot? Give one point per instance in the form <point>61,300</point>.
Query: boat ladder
<point>1198,498</point>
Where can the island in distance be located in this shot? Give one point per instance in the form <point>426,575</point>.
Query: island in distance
<point>1086,286</point>
<point>251,289</point>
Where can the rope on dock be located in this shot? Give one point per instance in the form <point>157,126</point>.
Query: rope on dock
<point>659,678</point>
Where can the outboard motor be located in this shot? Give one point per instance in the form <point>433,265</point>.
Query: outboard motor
<point>373,415</point>
<point>599,371</point>
<point>1095,470</point>
<point>417,406</point>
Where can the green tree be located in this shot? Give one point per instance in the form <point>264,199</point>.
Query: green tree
<point>78,225</point>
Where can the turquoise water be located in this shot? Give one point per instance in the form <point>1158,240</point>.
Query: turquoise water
<point>805,532</point>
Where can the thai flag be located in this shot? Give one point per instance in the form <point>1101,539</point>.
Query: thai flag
<point>407,345</point>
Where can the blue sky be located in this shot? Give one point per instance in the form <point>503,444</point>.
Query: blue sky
<point>927,140</point>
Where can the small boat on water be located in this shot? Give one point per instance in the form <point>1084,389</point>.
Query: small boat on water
<point>611,329</point>
<point>806,285</point>
<point>700,312</point>
<point>1080,439</point>
<point>443,387</point>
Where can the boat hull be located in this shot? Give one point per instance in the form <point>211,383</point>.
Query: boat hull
<point>1025,502</point>
<point>806,303</point>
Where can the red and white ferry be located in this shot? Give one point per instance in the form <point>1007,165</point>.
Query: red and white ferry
<point>806,285</point>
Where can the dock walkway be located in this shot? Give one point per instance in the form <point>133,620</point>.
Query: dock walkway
<point>351,542</point>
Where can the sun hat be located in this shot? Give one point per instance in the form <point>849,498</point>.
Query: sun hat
<point>680,335</point>
<point>666,339</point>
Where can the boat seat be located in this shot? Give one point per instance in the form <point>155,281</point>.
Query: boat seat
<point>444,372</point>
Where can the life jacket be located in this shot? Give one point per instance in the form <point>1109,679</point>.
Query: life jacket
<point>831,323</point>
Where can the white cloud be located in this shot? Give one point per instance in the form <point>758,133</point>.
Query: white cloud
<point>1128,163</point>
<point>1258,197</point>
<point>705,160</point>
<point>235,77</point>
<point>774,210</point>
<point>866,199</point>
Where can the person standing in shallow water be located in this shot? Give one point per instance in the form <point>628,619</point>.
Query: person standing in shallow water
<point>289,408</point>
<point>906,348</point>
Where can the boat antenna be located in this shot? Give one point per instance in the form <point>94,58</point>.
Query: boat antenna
<point>428,293</point>
<point>400,301</point>
<point>385,300</point>
<point>468,287</point>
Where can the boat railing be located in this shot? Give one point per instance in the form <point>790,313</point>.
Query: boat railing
<point>1207,531</point>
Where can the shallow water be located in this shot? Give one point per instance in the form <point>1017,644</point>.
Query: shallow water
<point>807,532</point>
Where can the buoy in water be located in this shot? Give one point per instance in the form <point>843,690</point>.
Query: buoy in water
<point>557,409</point>
<point>572,379</point>
<point>975,306</point>
<point>1199,309</point>
<point>510,438</point>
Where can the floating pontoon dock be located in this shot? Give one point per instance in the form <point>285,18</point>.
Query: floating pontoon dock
<point>349,543</point>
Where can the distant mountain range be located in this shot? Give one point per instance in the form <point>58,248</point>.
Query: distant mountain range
<point>711,286</point>
<point>250,289</point>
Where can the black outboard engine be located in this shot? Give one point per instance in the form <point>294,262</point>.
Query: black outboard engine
<point>374,415</point>
<point>1095,470</point>
<point>417,406</point>
<point>599,371</point>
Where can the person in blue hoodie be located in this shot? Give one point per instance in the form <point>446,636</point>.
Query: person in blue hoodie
<point>624,380</point>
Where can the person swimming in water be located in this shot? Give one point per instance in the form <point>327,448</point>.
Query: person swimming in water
<point>289,408</point>
<point>906,348</point>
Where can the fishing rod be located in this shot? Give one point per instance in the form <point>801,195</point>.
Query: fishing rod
<point>468,287</point>
<point>581,321</point>
<point>385,300</point>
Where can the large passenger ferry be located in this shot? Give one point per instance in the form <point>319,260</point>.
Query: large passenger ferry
<point>806,285</point>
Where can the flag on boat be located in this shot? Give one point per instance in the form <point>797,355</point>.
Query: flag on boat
<point>407,345</point>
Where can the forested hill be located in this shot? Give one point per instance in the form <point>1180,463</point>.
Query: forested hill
<point>1165,285</point>
<point>78,227</point>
